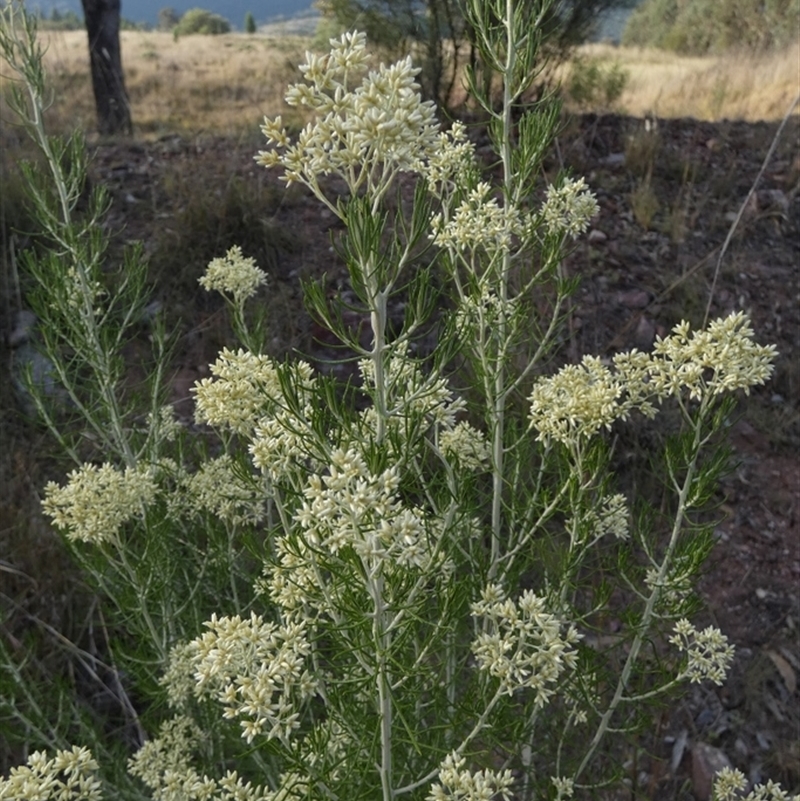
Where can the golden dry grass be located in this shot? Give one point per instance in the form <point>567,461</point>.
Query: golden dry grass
<point>225,84</point>
<point>734,86</point>
<point>221,84</point>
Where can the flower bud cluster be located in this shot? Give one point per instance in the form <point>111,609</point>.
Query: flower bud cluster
<point>465,445</point>
<point>452,162</point>
<point>730,785</point>
<point>410,393</point>
<point>164,765</point>
<point>569,208</point>
<point>68,776</point>
<point>257,670</point>
<point>97,501</point>
<point>279,443</point>
<point>478,222</point>
<point>722,358</point>
<point>351,507</point>
<point>581,399</point>
<point>457,783</point>
<point>610,516</point>
<point>522,645</point>
<point>166,424</point>
<point>75,285</point>
<point>709,654</point>
<point>234,275</point>
<point>676,586</point>
<point>364,134</point>
<point>246,388</point>
<point>220,489</point>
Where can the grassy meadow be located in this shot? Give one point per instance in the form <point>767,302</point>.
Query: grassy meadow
<point>225,84</point>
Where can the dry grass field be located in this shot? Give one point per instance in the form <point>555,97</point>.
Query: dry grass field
<point>734,86</point>
<point>225,84</point>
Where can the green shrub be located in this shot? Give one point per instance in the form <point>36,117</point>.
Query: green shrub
<point>198,20</point>
<point>592,84</point>
<point>250,23</point>
<point>698,27</point>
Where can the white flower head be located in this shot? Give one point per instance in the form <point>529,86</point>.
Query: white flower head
<point>233,274</point>
<point>721,358</point>
<point>456,782</point>
<point>478,222</point>
<point>256,669</point>
<point>97,501</point>
<point>523,645</point>
<point>577,401</point>
<point>70,775</point>
<point>365,133</point>
<point>730,784</point>
<point>708,651</point>
<point>569,208</point>
<point>452,163</point>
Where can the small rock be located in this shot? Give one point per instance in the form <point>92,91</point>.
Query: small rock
<point>596,236</point>
<point>633,299</point>
<point>707,762</point>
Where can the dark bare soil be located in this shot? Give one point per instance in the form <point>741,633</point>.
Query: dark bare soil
<point>668,198</point>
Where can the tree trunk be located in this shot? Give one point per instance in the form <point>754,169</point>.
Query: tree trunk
<point>111,99</point>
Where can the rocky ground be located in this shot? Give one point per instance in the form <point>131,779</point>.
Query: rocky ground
<point>669,192</point>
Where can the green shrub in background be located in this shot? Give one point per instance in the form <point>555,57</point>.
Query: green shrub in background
<point>698,27</point>
<point>381,588</point>
<point>250,23</point>
<point>593,84</point>
<point>200,21</point>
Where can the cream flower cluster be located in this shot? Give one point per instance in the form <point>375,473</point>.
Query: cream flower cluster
<point>97,501</point>
<point>478,222</point>
<point>565,788</point>
<point>581,399</point>
<point>730,784</point>
<point>523,645</point>
<point>452,163</point>
<point>279,443</point>
<point>457,783</point>
<point>233,274</point>
<point>611,516</point>
<point>466,445</point>
<point>364,134</point>
<point>722,358</point>
<point>164,766</point>
<point>351,507</point>
<point>221,489</point>
<point>257,670</point>
<point>569,208</point>
<point>709,654</point>
<point>67,776</point>
<point>246,388</point>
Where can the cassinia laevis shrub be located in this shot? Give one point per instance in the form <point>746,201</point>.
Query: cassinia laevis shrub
<point>387,588</point>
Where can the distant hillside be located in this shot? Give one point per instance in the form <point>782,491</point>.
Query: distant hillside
<point>233,10</point>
